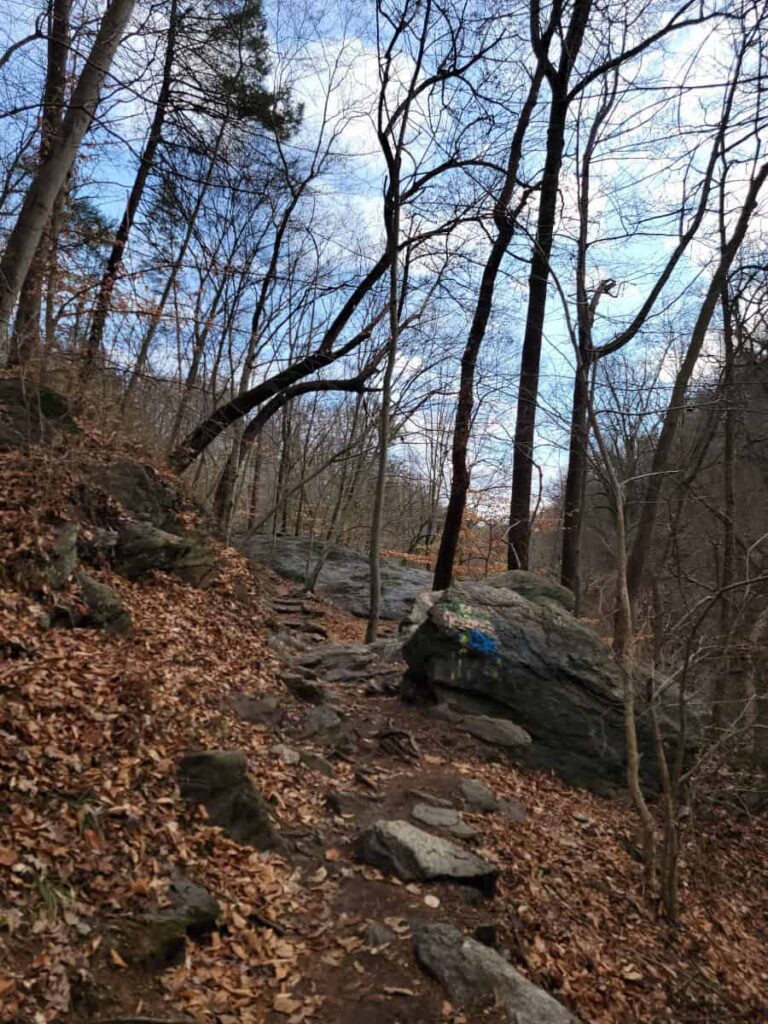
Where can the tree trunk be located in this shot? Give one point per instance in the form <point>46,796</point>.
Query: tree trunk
<point>519,534</point>
<point>457,500</point>
<point>146,163</point>
<point>26,333</point>
<point>47,183</point>
<point>575,487</point>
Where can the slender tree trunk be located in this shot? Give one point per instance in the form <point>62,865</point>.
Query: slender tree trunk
<point>392,220</point>
<point>26,332</point>
<point>146,164</point>
<point>457,500</point>
<point>47,183</point>
<point>519,534</point>
<point>575,487</point>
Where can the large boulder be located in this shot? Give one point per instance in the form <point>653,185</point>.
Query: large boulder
<point>143,548</point>
<point>30,413</point>
<point>139,489</point>
<point>535,588</point>
<point>218,779</point>
<point>487,650</point>
<point>413,855</point>
<point>477,978</point>
<point>344,578</point>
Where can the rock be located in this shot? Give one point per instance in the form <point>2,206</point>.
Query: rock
<point>377,934</point>
<point>156,940</point>
<point>320,722</point>
<point>478,796</point>
<point>429,798</point>
<point>413,855</point>
<point>535,588</point>
<point>443,712</point>
<point>303,688</point>
<point>138,488</point>
<point>446,818</point>
<point>344,575</point>
<point>286,754</point>
<point>490,651</point>
<point>143,548</point>
<point>30,414</point>
<point>317,763</point>
<point>63,557</point>
<point>513,810</point>
<point>498,731</point>
<point>105,609</point>
<point>257,710</point>
<point>477,978</point>
<point>194,905</point>
<point>219,780</point>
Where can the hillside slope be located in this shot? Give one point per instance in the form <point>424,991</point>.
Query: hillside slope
<point>94,833</point>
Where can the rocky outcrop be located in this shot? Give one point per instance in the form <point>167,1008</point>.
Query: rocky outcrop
<point>487,650</point>
<point>30,414</point>
<point>105,609</point>
<point>344,577</point>
<point>143,548</point>
<point>139,488</point>
<point>218,779</point>
<point>413,855</point>
<point>156,940</point>
<point>476,978</point>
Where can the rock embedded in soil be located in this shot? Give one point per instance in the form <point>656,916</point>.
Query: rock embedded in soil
<point>31,414</point>
<point>446,818</point>
<point>477,978</point>
<point>414,855</point>
<point>304,689</point>
<point>156,940</point>
<point>478,796</point>
<point>105,609</point>
<point>143,548</point>
<point>257,710</point>
<point>377,934</point>
<point>139,488</point>
<point>218,779</point>
<point>320,722</point>
<point>499,732</point>
<point>286,754</point>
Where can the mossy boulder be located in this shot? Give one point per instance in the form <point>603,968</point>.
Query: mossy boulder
<point>143,548</point>
<point>105,609</point>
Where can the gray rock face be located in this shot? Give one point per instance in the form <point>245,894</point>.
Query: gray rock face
<point>446,818</point>
<point>105,609</point>
<point>63,557</point>
<point>320,722</point>
<point>489,651</point>
<point>219,780</point>
<point>538,589</point>
<point>155,940</point>
<point>143,548</point>
<point>413,855</point>
<point>478,796</point>
<point>29,414</point>
<point>139,489</point>
<point>498,731</point>
<point>256,710</point>
<point>344,577</point>
<point>476,978</point>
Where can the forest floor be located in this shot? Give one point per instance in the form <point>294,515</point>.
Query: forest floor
<point>92,830</point>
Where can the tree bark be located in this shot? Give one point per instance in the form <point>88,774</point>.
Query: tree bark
<point>25,340</point>
<point>49,179</point>
<point>146,163</point>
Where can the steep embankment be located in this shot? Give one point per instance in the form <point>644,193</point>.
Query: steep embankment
<point>97,843</point>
